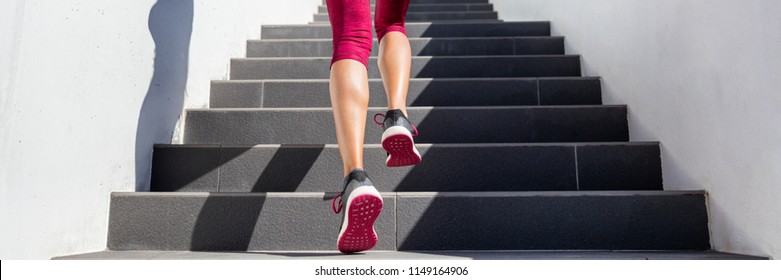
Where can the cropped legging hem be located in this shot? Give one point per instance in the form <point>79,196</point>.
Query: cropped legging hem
<point>351,26</point>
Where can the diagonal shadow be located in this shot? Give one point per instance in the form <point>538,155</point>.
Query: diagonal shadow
<point>287,168</point>
<point>226,222</point>
<point>229,222</point>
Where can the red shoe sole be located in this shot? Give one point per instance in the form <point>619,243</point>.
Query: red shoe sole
<point>401,150</point>
<point>359,235</point>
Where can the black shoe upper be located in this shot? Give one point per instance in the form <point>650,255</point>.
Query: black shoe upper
<point>396,117</point>
<point>356,178</point>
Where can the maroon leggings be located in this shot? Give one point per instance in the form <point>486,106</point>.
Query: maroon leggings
<point>351,26</point>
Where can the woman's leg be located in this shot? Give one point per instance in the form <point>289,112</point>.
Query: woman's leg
<point>394,61</point>
<point>349,86</point>
<point>395,57</point>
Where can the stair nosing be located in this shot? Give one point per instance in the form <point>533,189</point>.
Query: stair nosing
<point>415,56</point>
<point>439,145</point>
<point>408,23</point>
<point>436,12</point>
<point>411,39</point>
<point>413,79</point>
<point>424,194</point>
<point>436,4</point>
<point>415,108</point>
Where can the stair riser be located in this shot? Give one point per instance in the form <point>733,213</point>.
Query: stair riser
<point>513,221</point>
<point>552,223</point>
<point>419,47</point>
<point>422,67</point>
<point>211,168</point>
<point>437,125</point>
<point>422,92</point>
<point>199,222</point>
<point>412,16</point>
<point>498,29</point>
<point>435,8</point>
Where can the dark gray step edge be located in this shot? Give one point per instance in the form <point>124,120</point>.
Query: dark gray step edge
<point>445,167</point>
<point>494,124</point>
<point>649,220</point>
<point>419,47</point>
<point>433,7</point>
<point>418,255</point>
<point>420,29</point>
<point>422,67</point>
<point>421,92</point>
<point>415,2</point>
<point>433,16</point>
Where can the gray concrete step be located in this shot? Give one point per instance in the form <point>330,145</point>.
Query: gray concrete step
<point>638,220</point>
<point>422,67</point>
<point>422,92</point>
<point>419,46</point>
<point>418,2</point>
<point>445,167</point>
<point>449,7</point>
<point>419,29</point>
<point>432,16</point>
<point>514,124</point>
<point>412,255</point>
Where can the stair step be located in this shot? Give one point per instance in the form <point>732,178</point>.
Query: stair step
<point>422,92</point>
<point>466,7</point>
<point>644,220</point>
<point>445,167</point>
<point>431,16</point>
<point>575,221</point>
<point>413,255</point>
<point>422,67</point>
<point>419,29</point>
<point>419,46</point>
<point>514,124</point>
<point>417,2</point>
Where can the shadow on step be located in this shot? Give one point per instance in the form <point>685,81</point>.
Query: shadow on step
<point>293,171</point>
<point>212,231</point>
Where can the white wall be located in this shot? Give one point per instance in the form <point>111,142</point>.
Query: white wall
<point>85,95</point>
<point>704,78</point>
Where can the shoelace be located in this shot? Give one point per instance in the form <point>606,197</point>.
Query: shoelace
<point>383,125</point>
<point>333,204</point>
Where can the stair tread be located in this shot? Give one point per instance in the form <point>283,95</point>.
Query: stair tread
<point>486,124</point>
<point>493,194</point>
<point>421,56</point>
<point>465,145</point>
<point>414,255</point>
<point>615,220</point>
<point>414,39</point>
<point>438,12</point>
<point>439,28</point>
<point>520,107</point>
<point>415,23</point>
<point>567,65</point>
<point>414,79</point>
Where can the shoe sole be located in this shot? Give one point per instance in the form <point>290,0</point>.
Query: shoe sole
<point>363,208</point>
<point>397,141</point>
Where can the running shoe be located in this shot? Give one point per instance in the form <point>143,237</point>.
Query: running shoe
<point>397,139</point>
<point>361,203</point>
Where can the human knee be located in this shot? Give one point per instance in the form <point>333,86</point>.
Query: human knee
<point>351,27</point>
<point>389,17</point>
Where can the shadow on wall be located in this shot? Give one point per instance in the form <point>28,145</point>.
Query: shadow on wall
<point>170,24</point>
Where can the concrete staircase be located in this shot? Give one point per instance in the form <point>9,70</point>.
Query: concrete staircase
<point>519,154</point>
